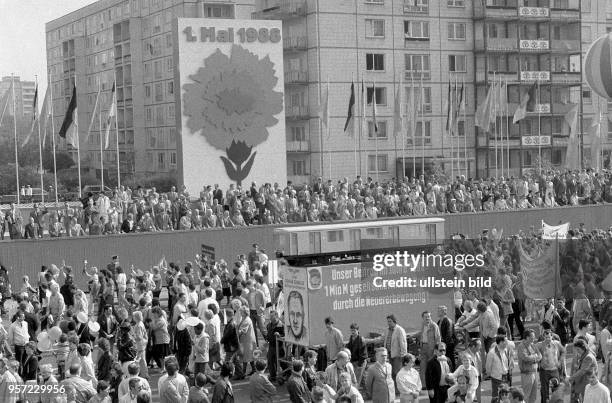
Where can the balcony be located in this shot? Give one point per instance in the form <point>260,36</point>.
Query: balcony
<point>508,76</point>
<point>497,45</point>
<point>283,9</point>
<point>296,77</point>
<point>297,113</point>
<point>561,108</point>
<point>534,45</point>
<point>295,43</point>
<point>417,75</point>
<point>557,14</point>
<point>566,78</point>
<point>565,45</point>
<point>415,7</point>
<point>535,75</point>
<point>508,12</point>
<point>298,147</point>
<point>534,13</point>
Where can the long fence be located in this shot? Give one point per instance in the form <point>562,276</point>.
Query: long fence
<point>25,257</point>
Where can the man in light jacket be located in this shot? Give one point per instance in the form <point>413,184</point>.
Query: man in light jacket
<point>395,342</point>
<point>498,363</point>
<point>430,337</point>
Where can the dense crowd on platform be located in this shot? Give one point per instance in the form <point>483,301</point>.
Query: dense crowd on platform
<point>147,210</point>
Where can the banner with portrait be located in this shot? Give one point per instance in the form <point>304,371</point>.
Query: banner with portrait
<point>295,292</point>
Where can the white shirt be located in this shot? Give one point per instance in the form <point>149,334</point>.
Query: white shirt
<point>598,393</point>
<point>121,281</point>
<point>604,338</point>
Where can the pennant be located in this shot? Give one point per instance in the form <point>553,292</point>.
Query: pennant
<point>572,158</point>
<point>45,114</point>
<point>527,103</point>
<point>324,112</point>
<point>112,112</point>
<point>350,116</point>
<point>449,109</point>
<point>398,115</point>
<point>483,113</point>
<point>364,103</point>
<point>459,97</point>
<point>374,123</point>
<point>70,125</point>
<point>93,113</point>
<point>34,117</point>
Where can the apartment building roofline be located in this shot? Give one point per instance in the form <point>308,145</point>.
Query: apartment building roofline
<point>92,8</point>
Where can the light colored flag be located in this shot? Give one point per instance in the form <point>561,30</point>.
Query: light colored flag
<point>34,117</point>
<point>554,231</point>
<point>374,123</point>
<point>527,99</point>
<point>324,112</point>
<point>594,134</point>
<point>572,157</point>
<point>364,103</point>
<point>484,111</point>
<point>45,114</point>
<point>4,101</point>
<point>112,112</point>
<point>93,113</point>
<point>398,113</point>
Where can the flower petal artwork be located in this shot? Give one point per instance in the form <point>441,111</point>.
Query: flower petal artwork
<point>232,103</point>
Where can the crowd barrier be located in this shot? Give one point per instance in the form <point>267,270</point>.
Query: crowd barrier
<point>146,249</point>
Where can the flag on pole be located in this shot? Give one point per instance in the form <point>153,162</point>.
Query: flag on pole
<point>112,111</point>
<point>484,111</point>
<point>4,102</point>
<point>324,112</point>
<point>70,125</point>
<point>93,113</point>
<point>374,123</point>
<point>45,113</point>
<point>459,98</point>
<point>449,109</point>
<point>594,134</point>
<point>527,102</point>
<point>34,117</point>
<point>364,103</point>
<point>350,117</point>
<point>398,114</point>
<point>572,157</point>
<point>501,98</point>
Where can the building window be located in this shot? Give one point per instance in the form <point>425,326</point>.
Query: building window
<point>422,134</point>
<point>335,236</point>
<point>381,95</point>
<point>455,3</point>
<point>375,28</point>
<point>457,63</point>
<point>148,115</point>
<point>418,30</point>
<point>423,101</point>
<point>382,130</point>
<point>459,130</point>
<point>151,139</point>
<point>377,163</point>
<point>159,95</point>
<point>586,96</point>
<point>298,167</point>
<point>170,88</point>
<point>171,111</point>
<point>417,64</point>
<point>173,160</point>
<point>298,133</point>
<point>416,6</point>
<point>456,31</point>
<point>161,160</point>
<point>375,62</point>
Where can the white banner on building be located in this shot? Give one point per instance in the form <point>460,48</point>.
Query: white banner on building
<point>554,231</point>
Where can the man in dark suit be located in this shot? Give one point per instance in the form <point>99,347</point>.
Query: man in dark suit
<point>274,329</point>
<point>447,333</point>
<point>357,347</point>
<point>436,372</point>
<point>128,225</point>
<point>11,218</point>
<point>260,386</point>
<point>108,325</point>
<point>31,230</point>
<point>30,318</point>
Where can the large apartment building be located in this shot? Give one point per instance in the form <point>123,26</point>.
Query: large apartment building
<point>431,48</point>
<point>129,42</point>
<point>431,45</point>
<point>24,96</point>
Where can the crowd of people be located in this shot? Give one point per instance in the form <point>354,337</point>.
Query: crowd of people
<point>146,210</point>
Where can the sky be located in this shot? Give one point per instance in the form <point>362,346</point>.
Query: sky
<point>22,35</point>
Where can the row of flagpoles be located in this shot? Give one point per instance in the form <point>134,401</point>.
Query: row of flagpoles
<point>406,116</point>
<point>496,105</point>
<point>69,130</point>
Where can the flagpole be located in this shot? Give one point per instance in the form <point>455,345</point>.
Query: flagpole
<point>422,128</point>
<point>495,125</point>
<point>500,112</point>
<point>539,129</point>
<point>100,133</point>
<point>450,127</point>
<point>78,139</point>
<point>413,125</point>
<point>42,187</point>
<point>404,128</point>
<point>374,128</point>
<point>328,133</point>
<point>53,138</point>
<point>117,132</point>
<point>467,174</point>
<point>507,127</point>
<point>15,135</point>
<point>354,125</point>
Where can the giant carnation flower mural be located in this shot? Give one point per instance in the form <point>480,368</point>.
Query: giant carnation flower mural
<point>232,103</point>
